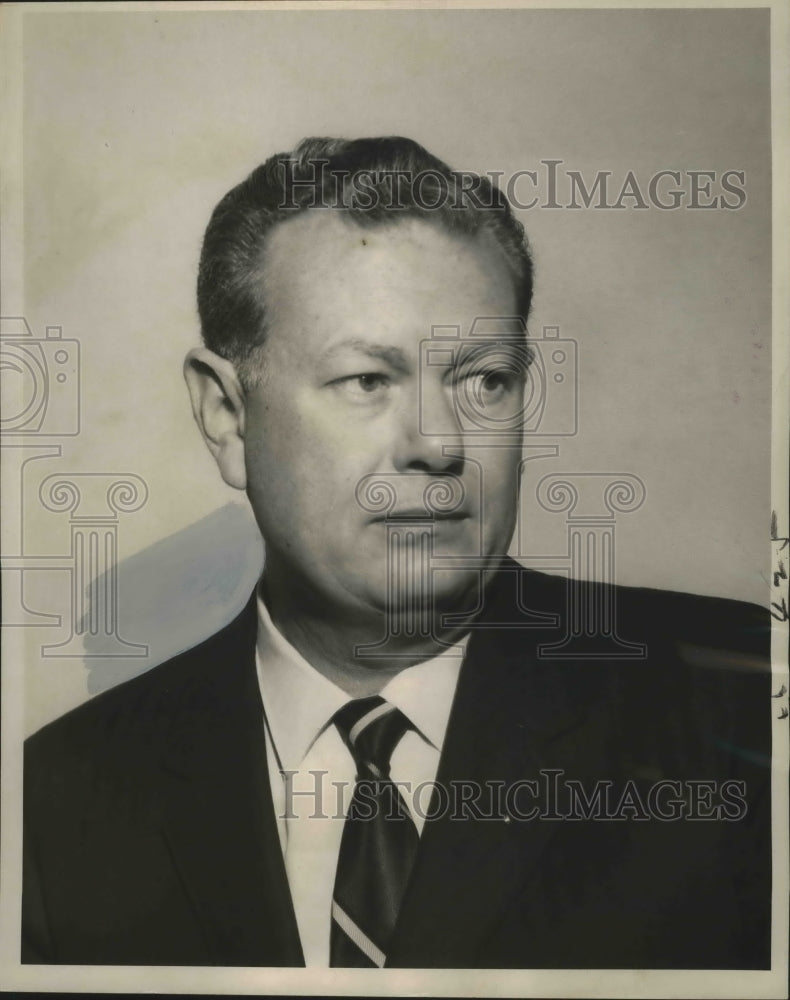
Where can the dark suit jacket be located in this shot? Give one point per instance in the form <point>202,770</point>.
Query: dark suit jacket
<point>150,834</point>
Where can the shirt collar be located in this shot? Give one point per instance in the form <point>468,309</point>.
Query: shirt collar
<point>300,702</point>
<point>424,692</point>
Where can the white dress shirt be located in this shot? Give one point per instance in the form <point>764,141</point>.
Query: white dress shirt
<point>299,704</point>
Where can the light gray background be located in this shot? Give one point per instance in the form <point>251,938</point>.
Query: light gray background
<point>135,124</point>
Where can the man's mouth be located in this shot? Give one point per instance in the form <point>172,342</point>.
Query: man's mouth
<point>421,514</point>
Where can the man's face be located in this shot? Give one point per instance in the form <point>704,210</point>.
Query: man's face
<point>347,398</point>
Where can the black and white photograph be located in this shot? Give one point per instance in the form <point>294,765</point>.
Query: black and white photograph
<point>395,499</point>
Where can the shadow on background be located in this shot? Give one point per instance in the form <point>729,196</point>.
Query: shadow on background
<point>178,592</point>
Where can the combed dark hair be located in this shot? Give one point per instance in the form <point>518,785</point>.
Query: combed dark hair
<point>377,181</point>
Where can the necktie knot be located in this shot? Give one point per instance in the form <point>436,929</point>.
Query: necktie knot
<point>371,728</point>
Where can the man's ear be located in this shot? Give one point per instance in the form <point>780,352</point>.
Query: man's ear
<point>218,405</point>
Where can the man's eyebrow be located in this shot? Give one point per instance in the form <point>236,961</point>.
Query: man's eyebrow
<point>393,356</point>
<point>473,349</point>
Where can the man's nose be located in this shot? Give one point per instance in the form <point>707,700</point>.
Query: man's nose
<point>429,438</point>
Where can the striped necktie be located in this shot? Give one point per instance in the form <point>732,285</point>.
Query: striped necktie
<point>379,839</point>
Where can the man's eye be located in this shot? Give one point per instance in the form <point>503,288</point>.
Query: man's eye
<point>492,384</point>
<point>365,384</point>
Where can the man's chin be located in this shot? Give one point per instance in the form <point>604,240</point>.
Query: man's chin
<point>446,592</point>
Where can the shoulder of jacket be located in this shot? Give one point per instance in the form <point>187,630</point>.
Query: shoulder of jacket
<point>142,706</point>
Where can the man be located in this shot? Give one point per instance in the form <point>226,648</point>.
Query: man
<point>388,759</point>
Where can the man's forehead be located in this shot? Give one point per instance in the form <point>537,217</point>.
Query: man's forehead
<point>325,239</point>
<point>323,249</point>
<point>309,230</point>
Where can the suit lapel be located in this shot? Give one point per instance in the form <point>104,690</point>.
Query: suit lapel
<point>220,825</point>
<point>513,715</point>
